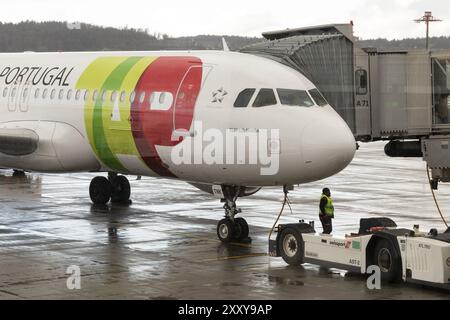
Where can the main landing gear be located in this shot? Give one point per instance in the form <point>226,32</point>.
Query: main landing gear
<point>231,228</point>
<point>115,188</point>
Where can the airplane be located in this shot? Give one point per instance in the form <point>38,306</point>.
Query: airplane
<point>229,123</point>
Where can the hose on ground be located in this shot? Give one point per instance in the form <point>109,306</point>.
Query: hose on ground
<point>285,201</point>
<point>434,197</point>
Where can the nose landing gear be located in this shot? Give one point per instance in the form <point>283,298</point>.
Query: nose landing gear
<point>115,188</point>
<point>230,228</point>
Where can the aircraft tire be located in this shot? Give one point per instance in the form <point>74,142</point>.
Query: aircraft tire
<point>226,230</point>
<point>121,190</point>
<point>242,228</point>
<point>100,190</point>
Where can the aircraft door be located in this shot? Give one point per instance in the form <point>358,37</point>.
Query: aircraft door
<point>18,97</point>
<point>185,100</point>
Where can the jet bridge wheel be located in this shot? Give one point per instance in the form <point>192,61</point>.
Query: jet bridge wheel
<point>121,190</point>
<point>387,259</point>
<point>100,190</point>
<point>291,246</point>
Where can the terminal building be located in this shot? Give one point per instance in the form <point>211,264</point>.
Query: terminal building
<point>398,96</point>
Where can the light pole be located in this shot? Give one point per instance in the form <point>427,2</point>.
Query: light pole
<point>427,18</point>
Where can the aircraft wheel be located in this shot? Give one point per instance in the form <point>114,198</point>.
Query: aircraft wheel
<point>121,190</point>
<point>226,230</point>
<point>100,190</point>
<point>291,246</point>
<point>242,228</point>
<point>387,259</point>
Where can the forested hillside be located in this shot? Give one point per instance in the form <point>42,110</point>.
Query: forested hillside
<point>59,36</point>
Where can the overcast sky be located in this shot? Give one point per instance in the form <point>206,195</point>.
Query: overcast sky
<point>372,18</point>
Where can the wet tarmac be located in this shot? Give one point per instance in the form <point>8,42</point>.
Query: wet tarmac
<point>164,245</point>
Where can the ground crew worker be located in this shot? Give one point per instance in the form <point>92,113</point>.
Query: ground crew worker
<point>326,211</point>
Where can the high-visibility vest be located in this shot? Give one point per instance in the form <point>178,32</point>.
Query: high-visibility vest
<point>329,208</point>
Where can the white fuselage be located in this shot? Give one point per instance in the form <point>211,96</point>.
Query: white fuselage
<point>140,112</point>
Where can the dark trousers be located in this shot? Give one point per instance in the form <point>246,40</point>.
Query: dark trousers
<point>327,224</point>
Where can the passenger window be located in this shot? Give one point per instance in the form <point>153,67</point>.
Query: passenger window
<point>132,96</point>
<point>86,95</point>
<point>95,95</point>
<point>142,97</point>
<point>13,92</point>
<point>61,94</point>
<point>162,97</point>
<point>52,94</point>
<point>113,96</point>
<point>44,94</point>
<point>265,97</point>
<point>69,94</point>
<point>361,82</point>
<point>104,95</point>
<point>160,101</point>
<point>290,97</point>
<point>244,98</point>
<point>36,93</point>
<point>318,97</point>
<point>78,94</point>
<point>5,92</point>
<point>25,94</point>
<point>152,99</point>
<point>123,96</point>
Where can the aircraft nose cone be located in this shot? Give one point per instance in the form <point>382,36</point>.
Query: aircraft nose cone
<point>328,147</point>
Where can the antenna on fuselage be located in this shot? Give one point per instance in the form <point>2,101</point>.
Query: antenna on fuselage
<point>225,45</point>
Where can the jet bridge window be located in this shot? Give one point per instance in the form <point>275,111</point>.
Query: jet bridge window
<point>318,97</point>
<point>290,97</point>
<point>244,98</point>
<point>361,82</point>
<point>265,97</point>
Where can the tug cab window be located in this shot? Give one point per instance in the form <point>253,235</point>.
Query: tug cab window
<point>318,97</point>
<point>361,82</point>
<point>289,97</point>
<point>265,97</point>
<point>244,98</point>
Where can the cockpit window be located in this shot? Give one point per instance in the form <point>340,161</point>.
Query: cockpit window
<point>244,98</point>
<point>318,97</point>
<point>291,97</point>
<point>265,97</point>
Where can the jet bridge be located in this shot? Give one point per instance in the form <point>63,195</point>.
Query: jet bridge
<point>382,95</point>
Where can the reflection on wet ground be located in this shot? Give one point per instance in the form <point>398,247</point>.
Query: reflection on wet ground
<point>164,246</point>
